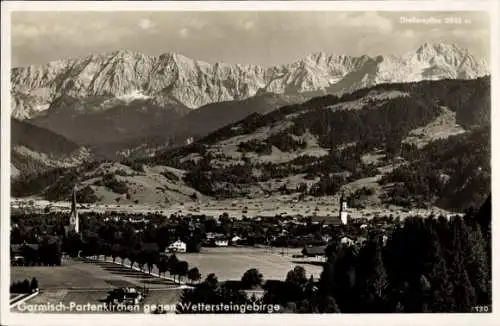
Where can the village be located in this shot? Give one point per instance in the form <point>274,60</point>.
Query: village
<point>311,234</point>
<point>185,246</point>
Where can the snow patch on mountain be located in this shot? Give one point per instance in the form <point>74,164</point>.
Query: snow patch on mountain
<point>132,96</point>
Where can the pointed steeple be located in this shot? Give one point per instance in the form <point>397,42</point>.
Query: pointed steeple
<point>73,201</point>
<point>343,209</point>
<point>343,202</point>
<point>73,218</point>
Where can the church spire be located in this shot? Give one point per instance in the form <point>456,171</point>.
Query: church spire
<point>73,219</point>
<point>73,201</point>
<point>343,209</point>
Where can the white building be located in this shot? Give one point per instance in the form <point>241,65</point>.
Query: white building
<point>347,241</point>
<point>326,238</point>
<point>235,239</point>
<point>343,210</point>
<point>74,222</point>
<point>136,220</point>
<point>177,246</point>
<point>221,243</point>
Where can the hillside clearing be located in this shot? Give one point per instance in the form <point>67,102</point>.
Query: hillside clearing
<point>443,126</point>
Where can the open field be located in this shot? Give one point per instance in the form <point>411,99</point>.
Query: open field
<point>231,263</point>
<point>81,282</point>
<point>80,275</point>
<point>84,282</point>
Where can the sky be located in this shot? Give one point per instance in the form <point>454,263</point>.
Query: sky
<point>248,37</point>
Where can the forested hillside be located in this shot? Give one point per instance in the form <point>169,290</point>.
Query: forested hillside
<point>455,172</point>
<point>39,139</point>
<point>327,137</point>
<point>325,144</point>
<point>36,150</point>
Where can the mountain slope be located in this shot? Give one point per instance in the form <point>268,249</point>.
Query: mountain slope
<point>358,143</point>
<point>124,120</point>
<point>324,144</point>
<point>210,117</point>
<point>140,128</point>
<point>455,172</point>
<point>110,183</point>
<point>35,150</point>
<point>39,139</point>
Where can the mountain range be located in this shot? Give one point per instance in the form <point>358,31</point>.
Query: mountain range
<point>94,83</point>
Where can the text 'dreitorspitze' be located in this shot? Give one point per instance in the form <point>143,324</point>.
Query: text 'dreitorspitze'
<point>452,20</point>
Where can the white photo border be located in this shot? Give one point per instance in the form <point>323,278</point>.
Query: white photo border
<point>8,318</point>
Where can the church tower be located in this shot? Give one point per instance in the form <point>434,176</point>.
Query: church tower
<point>73,219</point>
<point>343,209</point>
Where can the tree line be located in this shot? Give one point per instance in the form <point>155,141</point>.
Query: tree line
<point>25,286</point>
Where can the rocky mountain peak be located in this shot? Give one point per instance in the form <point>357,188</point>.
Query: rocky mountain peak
<point>174,77</point>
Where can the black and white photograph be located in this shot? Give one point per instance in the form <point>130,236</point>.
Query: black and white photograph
<point>247,161</point>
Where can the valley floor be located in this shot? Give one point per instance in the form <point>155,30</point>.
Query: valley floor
<point>323,208</point>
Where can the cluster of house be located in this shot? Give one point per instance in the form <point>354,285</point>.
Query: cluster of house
<point>320,251</point>
<point>177,246</point>
<point>211,240</point>
<point>220,240</point>
<point>279,232</point>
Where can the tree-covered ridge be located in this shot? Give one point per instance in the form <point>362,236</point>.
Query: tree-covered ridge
<point>40,139</point>
<point>391,121</point>
<point>379,124</point>
<point>469,98</point>
<point>55,183</point>
<point>454,172</point>
<point>27,165</point>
